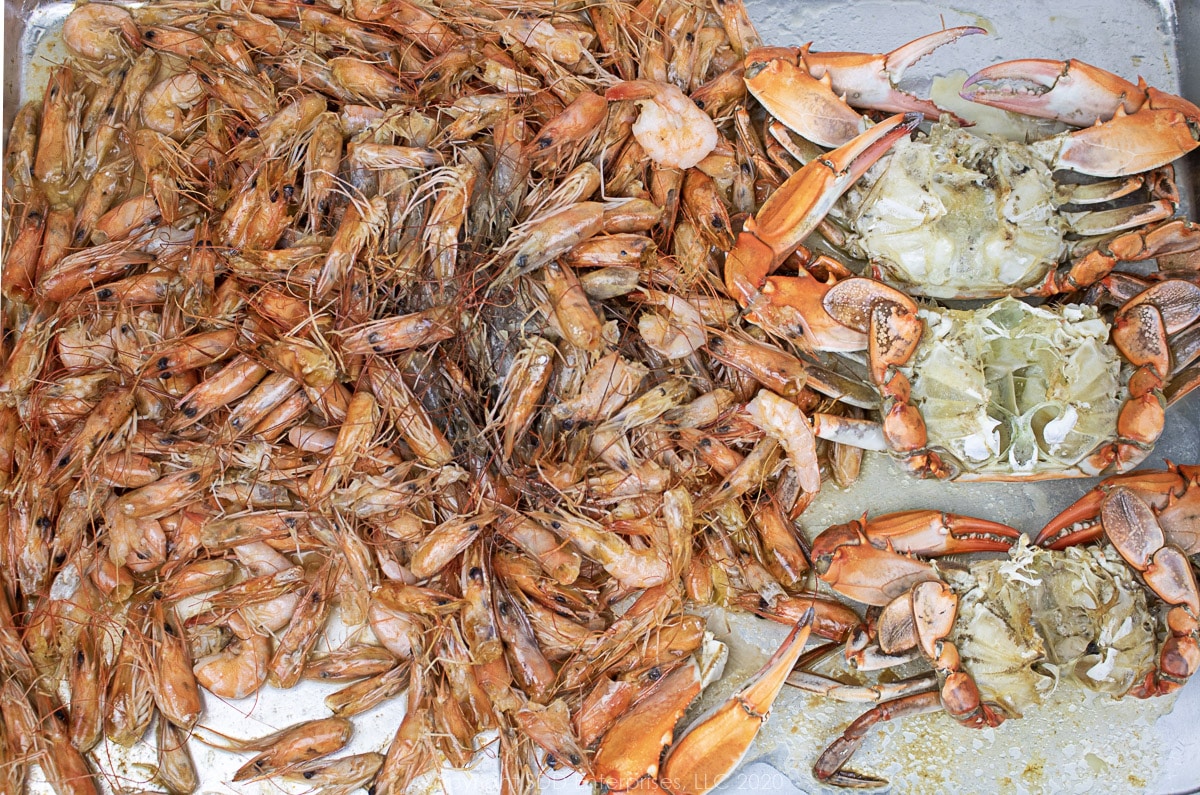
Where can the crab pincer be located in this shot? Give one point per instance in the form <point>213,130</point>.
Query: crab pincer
<point>1133,128</point>
<point>715,744</point>
<point>794,211</point>
<point>821,95</point>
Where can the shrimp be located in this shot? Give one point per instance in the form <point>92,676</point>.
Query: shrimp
<point>23,253</point>
<point>22,149</point>
<point>321,161</point>
<point>446,220</point>
<point>238,670</point>
<point>129,703</point>
<point>365,81</point>
<point>407,414</point>
<point>678,335</point>
<point>363,222</point>
<point>524,385</point>
<point>303,631</point>
<point>783,420</point>
<point>165,104</point>
<point>366,694</point>
<point>289,747</point>
<point>359,427</point>
<point>446,541</point>
<point>340,776</point>
<point>172,682</point>
<point>572,311</point>
<point>58,142</point>
<point>673,131</point>
<point>634,568</point>
<point>109,182</point>
<point>402,332</point>
<point>176,770</point>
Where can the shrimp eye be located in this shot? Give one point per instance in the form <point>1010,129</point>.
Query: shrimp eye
<point>475,573</point>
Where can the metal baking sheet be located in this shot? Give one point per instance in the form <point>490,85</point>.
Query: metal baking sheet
<point>1072,744</point>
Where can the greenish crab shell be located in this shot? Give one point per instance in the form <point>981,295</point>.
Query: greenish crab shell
<point>1026,620</point>
<point>1012,390</point>
<point>955,215</point>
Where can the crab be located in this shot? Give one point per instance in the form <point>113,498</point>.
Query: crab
<point>1112,603</point>
<point>956,215</point>
<point>1004,392</point>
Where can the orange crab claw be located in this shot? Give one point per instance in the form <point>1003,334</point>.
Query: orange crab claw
<point>1136,127</point>
<point>1072,92</point>
<point>802,201</point>
<point>935,533</point>
<point>714,745</point>
<point>1079,523</point>
<point>631,748</point>
<point>1131,527</point>
<point>812,93</point>
<point>869,80</point>
<point>844,557</point>
<point>777,78</point>
<point>1157,134</point>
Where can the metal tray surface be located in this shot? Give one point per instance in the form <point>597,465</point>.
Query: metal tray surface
<point>1074,743</point>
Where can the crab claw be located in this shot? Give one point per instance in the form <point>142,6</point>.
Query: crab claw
<point>934,533</point>
<point>807,106</point>
<point>795,209</point>
<point>1131,527</point>
<point>1164,130</point>
<point>869,81</point>
<point>1079,523</point>
<point>844,557</point>
<point>1134,128</point>
<point>1072,92</point>
<point>820,95</point>
<point>714,745</point>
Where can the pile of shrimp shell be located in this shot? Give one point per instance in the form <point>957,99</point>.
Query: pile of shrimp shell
<point>382,310</point>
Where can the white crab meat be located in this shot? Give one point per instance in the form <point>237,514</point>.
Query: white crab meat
<point>1012,389</point>
<point>954,214</point>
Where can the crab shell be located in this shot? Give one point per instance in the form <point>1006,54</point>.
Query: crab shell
<point>957,215</point>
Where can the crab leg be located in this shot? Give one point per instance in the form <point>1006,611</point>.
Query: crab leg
<point>1140,333</point>
<point>716,743</point>
<point>1179,236</point>
<point>889,319</point>
<point>1131,527</point>
<point>829,765</point>
<point>782,223</point>
<point>831,619</point>
<point>923,618</point>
